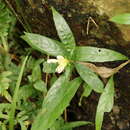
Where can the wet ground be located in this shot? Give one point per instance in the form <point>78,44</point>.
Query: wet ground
<point>100,33</point>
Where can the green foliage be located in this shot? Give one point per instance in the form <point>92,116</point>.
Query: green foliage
<point>57,99</point>
<point>87,91</point>
<point>24,87</point>
<point>4,84</point>
<point>70,125</point>
<point>121,18</point>
<point>6,22</point>
<point>90,78</point>
<point>93,54</point>
<point>5,19</point>
<point>59,95</point>
<point>60,124</point>
<point>44,44</point>
<point>106,102</point>
<point>49,68</point>
<point>15,96</point>
<point>64,32</point>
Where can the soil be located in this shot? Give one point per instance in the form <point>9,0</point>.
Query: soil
<point>102,34</point>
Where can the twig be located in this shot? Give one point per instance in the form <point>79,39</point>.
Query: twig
<point>88,24</point>
<point>16,15</point>
<point>65,115</point>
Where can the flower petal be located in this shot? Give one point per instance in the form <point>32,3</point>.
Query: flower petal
<point>52,61</point>
<point>60,68</point>
<point>60,57</point>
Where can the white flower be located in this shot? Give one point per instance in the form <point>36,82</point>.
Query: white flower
<point>62,63</point>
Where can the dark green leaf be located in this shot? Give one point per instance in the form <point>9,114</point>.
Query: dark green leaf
<point>64,32</point>
<point>53,79</point>
<point>90,77</point>
<point>36,73</point>
<point>26,91</point>
<point>121,19</point>
<point>75,124</point>
<point>44,44</point>
<point>105,104</point>
<point>57,99</point>
<point>94,54</point>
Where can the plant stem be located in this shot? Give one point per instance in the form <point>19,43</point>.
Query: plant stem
<point>26,26</point>
<point>15,14</point>
<point>65,115</point>
<point>15,96</point>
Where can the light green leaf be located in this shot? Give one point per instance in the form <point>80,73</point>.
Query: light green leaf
<point>40,85</point>
<point>64,32</point>
<point>86,92</point>
<point>121,19</point>
<point>90,77</point>
<point>4,106</point>
<point>49,67</point>
<point>57,124</point>
<point>57,99</point>
<point>23,126</point>
<point>105,104</point>
<point>44,44</point>
<point>94,54</point>
<point>60,124</point>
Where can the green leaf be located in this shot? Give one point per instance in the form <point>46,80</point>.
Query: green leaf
<point>40,85</point>
<point>44,44</point>
<point>53,79</point>
<point>25,92</point>
<point>4,106</point>
<point>75,124</point>
<point>36,73</point>
<point>86,92</point>
<point>15,96</point>
<point>105,104</point>
<point>49,67</point>
<point>60,124</point>
<point>90,77</point>
<point>64,32</point>
<point>57,124</point>
<point>57,99</point>
<point>94,54</point>
<point>121,19</point>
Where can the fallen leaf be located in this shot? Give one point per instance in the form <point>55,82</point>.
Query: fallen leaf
<point>103,71</point>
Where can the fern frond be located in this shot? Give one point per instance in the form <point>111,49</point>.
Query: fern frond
<point>5,19</point>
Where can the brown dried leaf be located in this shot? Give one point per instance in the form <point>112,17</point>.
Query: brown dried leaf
<point>103,71</point>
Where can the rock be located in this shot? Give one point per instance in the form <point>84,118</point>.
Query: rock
<point>112,8</point>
